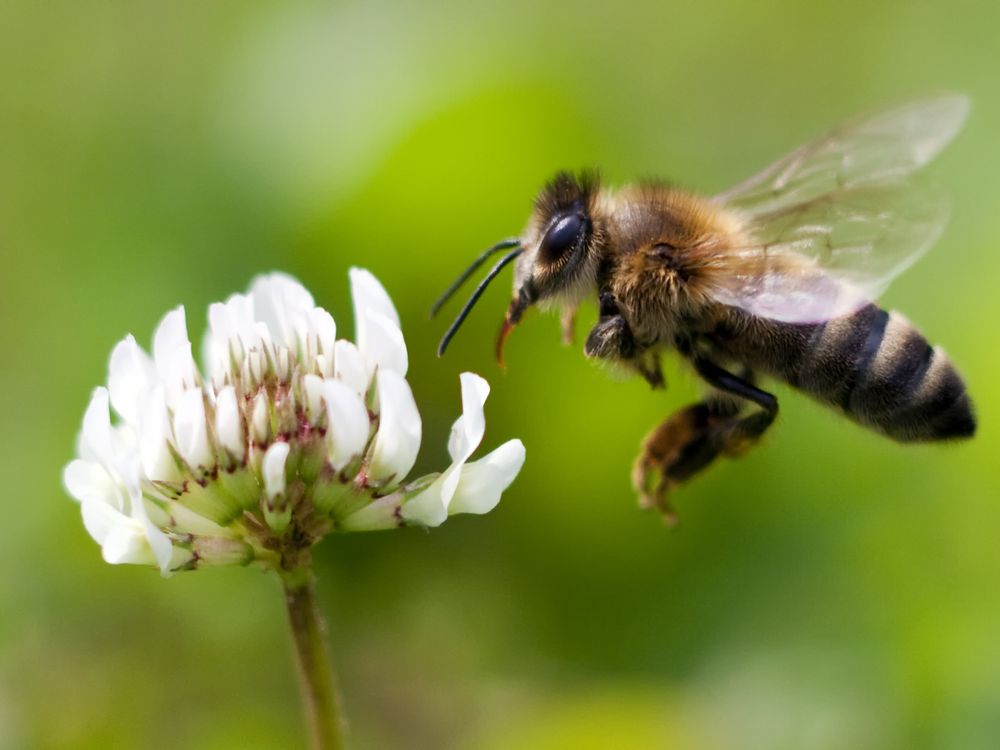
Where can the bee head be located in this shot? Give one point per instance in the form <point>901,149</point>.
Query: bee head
<point>556,258</point>
<point>561,248</point>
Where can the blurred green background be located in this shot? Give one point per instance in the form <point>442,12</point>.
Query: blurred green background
<point>830,590</point>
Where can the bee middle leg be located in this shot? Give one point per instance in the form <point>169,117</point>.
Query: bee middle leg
<point>692,438</point>
<point>612,338</point>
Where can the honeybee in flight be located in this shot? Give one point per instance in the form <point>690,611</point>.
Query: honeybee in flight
<point>774,277</point>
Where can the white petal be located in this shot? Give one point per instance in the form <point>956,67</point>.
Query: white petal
<point>376,322</point>
<point>127,544</point>
<point>398,439</point>
<point>279,301</point>
<point>231,333</point>
<point>430,507</point>
<point>326,335</point>
<point>158,542</point>
<point>191,431</point>
<point>260,419</point>
<point>381,343</point>
<point>127,466</point>
<point>172,354</point>
<point>216,348</point>
<point>154,439</point>
<point>131,375</point>
<point>237,321</point>
<point>88,478</point>
<point>368,293</point>
<point>99,517</point>
<point>124,539</point>
<point>324,365</point>
<point>347,423</point>
<point>283,363</point>
<point>255,364</point>
<point>229,423</point>
<point>377,515</point>
<point>350,368</point>
<point>312,391</point>
<point>96,436</point>
<point>483,481</point>
<point>468,430</point>
<point>274,469</point>
<point>171,333</point>
<point>427,508</point>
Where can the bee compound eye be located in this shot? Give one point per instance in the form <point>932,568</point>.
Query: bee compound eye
<point>562,235</point>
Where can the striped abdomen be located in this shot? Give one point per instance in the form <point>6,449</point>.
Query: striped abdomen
<point>877,368</point>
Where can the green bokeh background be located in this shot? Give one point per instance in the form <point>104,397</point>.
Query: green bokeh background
<point>831,590</point>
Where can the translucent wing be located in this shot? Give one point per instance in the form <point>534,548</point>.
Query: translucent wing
<point>831,224</point>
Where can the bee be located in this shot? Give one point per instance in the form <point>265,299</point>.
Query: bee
<point>775,277</point>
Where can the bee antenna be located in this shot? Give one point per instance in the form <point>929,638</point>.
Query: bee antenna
<point>457,283</point>
<point>453,328</point>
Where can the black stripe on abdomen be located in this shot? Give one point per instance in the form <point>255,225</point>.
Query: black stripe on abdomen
<point>883,373</point>
<point>829,368</point>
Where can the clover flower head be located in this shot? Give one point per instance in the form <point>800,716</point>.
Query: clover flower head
<point>290,434</point>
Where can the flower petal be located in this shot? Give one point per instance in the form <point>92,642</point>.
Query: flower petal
<point>125,539</point>
<point>347,423</point>
<point>154,439</point>
<point>376,322</point>
<point>382,345</point>
<point>95,440</point>
<point>191,431</point>
<point>430,507</point>
<point>170,335</point>
<point>172,355</point>
<point>229,422</point>
<point>131,376</point>
<point>230,336</point>
<point>312,391</point>
<point>159,543</point>
<point>350,368</point>
<point>260,419</point>
<point>127,544</point>
<point>468,430</point>
<point>398,439</point>
<point>426,508</point>
<point>325,328</point>
<point>99,517</point>
<point>279,301</point>
<point>483,481</point>
<point>88,478</point>
<point>376,516</point>
<point>274,469</point>
<point>475,391</point>
<point>368,293</point>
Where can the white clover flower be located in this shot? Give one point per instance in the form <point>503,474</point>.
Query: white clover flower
<point>291,435</point>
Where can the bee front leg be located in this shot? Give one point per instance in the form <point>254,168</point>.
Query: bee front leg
<point>649,367</point>
<point>691,439</point>
<point>568,323</point>
<point>611,337</point>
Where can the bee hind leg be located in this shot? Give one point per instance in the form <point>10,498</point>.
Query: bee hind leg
<point>692,438</point>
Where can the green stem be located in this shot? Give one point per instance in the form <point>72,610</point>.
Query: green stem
<point>319,694</point>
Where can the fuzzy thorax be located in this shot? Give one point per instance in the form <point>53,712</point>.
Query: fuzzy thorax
<point>668,249</point>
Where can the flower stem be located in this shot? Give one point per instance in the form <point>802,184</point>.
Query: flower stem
<point>319,693</point>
